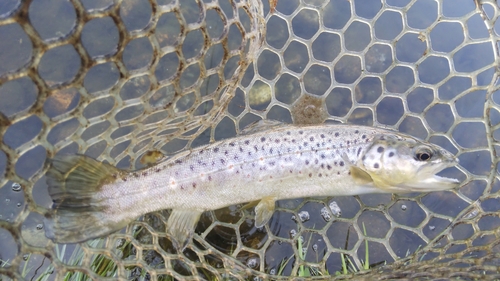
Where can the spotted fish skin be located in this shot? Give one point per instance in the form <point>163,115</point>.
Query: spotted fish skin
<point>284,162</point>
<point>288,162</point>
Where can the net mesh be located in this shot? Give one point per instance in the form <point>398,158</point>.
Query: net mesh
<point>127,81</point>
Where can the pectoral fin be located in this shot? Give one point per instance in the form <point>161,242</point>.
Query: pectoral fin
<point>181,224</point>
<point>360,176</point>
<point>264,211</point>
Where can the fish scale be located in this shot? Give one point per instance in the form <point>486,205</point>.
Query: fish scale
<point>281,162</point>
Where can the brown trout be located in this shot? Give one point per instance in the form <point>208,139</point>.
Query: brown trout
<point>92,199</point>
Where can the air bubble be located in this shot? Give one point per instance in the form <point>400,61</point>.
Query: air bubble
<point>252,262</point>
<point>315,247</point>
<point>293,233</point>
<point>26,257</point>
<point>334,207</point>
<point>39,226</point>
<point>326,214</point>
<point>303,216</point>
<point>16,187</point>
<point>272,271</point>
<point>403,207</point>
<point>19,205</point>
<point>7,200</point>
<point>432,227</point>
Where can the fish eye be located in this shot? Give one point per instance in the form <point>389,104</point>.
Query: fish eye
<point>423,154</point>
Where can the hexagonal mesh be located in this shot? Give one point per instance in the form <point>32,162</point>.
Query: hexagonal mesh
<point>116,80</point>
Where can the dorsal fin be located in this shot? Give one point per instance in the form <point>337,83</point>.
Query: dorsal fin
<point>261,125</point>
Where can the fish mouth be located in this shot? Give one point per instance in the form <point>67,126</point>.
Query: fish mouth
<point>434,182</point>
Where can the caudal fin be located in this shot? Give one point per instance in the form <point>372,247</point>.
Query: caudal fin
<point>80,212</point>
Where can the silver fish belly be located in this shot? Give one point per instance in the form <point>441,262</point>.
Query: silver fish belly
<point>284,162</point>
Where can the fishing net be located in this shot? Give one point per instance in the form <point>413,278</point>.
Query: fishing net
<point>129,81</point>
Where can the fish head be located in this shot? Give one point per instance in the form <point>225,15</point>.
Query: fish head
<point>401,164</point>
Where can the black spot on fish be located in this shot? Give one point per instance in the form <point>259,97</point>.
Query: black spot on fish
<point>209,178</point>
<point>337,134</point>
<point>341,163</point>
<point>328,167</point>
<point>380,149</point>
<point>320,175</point>
<point>201,151</point>
<point>247,142</point>
<point>359,151</point>
<point>391,154</point>
<point>263,139</point>
<point>335,163</point>
<point>301,132</point>
<point>249,153</point>
<point>157,170</point>
<point>194,185</point>
<point>310,175</point>
<point>356,131</point>
<point>311,138</point>
<point>322,166</point>
<point>223,161</point>
<point>348,142</point>
<point>272,163</point>
<point>363,136</point>
<point>226,153</point>
<point>191,167</point>
<point>293,140</point>
<point>136,175</point>
<point>241,149</point>
<point>178,161</point>
<point>144,173</point>
<point>271,151</point>
<point>213,163</point>
<point>291,171</point>
<point>216,149</point>
<point>236,157</point>
<point>288,133</point>
<point>277,140</point>
<point>338,173</point>
<point>375,165</point>
<point>316,161</point>
<point>231,144</point>
<point>349,173</point>
<point>322,136</point>
<point>307,162</point>
<point>363,158</point>
<point>323,156</point>
<point>305,143</point>
<point>256,148</point>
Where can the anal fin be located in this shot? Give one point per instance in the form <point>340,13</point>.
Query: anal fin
<point>264,211</point>
<point>181,224</point>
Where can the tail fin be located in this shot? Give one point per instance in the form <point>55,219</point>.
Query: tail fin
<point>79,211</point>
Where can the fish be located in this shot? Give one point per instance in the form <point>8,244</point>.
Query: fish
<point>268,162</point>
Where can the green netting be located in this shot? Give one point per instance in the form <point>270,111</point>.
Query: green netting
<point>116,80</point>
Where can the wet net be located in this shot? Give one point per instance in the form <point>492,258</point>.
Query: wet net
<point>128,81</point>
